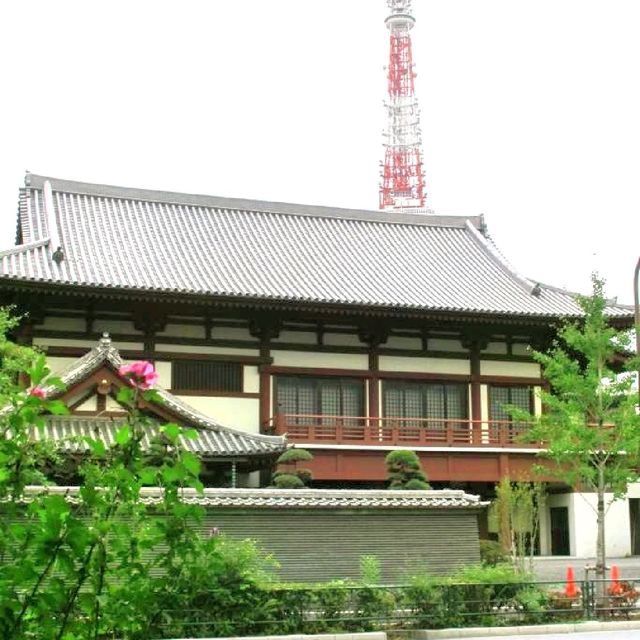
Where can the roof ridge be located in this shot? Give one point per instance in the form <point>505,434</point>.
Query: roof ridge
<point>242,204</point>
<point>494,253</point>
<point>612,302</point>
<point>34,244</point>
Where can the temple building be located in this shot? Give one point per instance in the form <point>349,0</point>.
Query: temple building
<point>351,332</point>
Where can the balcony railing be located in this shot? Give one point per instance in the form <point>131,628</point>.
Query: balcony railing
<point>389,431</point>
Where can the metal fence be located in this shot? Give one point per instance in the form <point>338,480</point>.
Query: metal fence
<point>425,604</point>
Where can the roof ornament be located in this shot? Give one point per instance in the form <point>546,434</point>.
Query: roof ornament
<point>536,290</point>
<point>55,242</point>
<point>58,255</point>
<point>105,341</point>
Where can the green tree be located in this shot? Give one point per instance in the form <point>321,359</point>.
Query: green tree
<point>288,475</point>
<point>516,512</point>
<point>67,562</point>
<point>589,427</point>
<point>404,470</point>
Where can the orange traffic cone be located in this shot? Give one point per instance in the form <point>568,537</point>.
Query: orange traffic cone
<point>570,589</point>
<point>615,587</point>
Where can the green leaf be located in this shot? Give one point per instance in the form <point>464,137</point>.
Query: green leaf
<point>125,395</point>
<point>190,434</point>
<point>56,407</point>
<point>97,446</point>
<point>123,435</point>
<point>191,463</point>
<point>171,430</point>
<point>149,475</point>
<point>172,474</point>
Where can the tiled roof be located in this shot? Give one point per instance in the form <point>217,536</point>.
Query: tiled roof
<point>214,440</point>
<point>307,498</point>
<point>120,239</point>
<point>208,444</point>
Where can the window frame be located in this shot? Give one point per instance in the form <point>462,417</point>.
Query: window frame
<point>358,382</point>
<point>208,391</point>
<point>406,383</point>
<point>509,386</point>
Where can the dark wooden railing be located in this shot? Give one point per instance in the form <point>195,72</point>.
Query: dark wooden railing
<point>388,431</point>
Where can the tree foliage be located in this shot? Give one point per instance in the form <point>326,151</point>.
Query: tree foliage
<point>95,562</point>
<point>288,475</point>
<point>589,427</point>
<point>404,471</point>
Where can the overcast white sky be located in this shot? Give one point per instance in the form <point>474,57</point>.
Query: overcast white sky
<point>530,111</point>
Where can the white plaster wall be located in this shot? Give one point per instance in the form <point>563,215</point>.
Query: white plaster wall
<point>63,324</point>
<point>113,405</point>
<point>617,525</point>
<point>484,402</point>
<point>343,340</point>
<point>90,404</point>
<point>515,369</point>
<point>164,374</point>
<point>537,402</point>
<point>57,365</point>
<point>403,342</point>
<point>299,337</point>
<point>115,326</point>
<point>583,526</point>
<point>231,333</point>
<point>444,344</point>
<point>424,365</point>
<point>633,490</point>
<point>225,351</point>
<point>237,413</point>
<point>520,349</point>
<point>251,379</point>
<point>183,331</point>
<point>499,348</point>
<point>320,360</point>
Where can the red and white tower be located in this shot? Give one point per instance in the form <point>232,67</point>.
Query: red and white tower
<point>402,184</point>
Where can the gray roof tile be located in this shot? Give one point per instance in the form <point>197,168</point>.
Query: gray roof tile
<point>214,439</point>
<point>305,498</point>
<point>121,238</point>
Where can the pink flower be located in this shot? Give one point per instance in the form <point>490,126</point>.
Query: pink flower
<point>140,374</point>
<point>38,392</point>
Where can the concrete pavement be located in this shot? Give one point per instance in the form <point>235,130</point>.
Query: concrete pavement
<point>554,568</point>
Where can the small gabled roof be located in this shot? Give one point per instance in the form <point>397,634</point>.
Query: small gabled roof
<point>123,241</point>
<point>214,440</point>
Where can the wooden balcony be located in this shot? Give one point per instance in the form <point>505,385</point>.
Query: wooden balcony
<point>401,432</point>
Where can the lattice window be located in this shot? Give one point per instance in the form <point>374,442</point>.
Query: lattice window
<point>319,396</point>
<point>439,401</point>
<point>206,376</point>
<point>520,396</point>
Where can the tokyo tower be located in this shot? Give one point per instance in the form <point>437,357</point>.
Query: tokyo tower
<point>402,185</point>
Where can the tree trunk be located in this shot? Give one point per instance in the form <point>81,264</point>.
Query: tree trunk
<point>600,540</point>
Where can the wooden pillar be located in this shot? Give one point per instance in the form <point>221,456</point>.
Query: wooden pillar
<point>264,390</point>
<point>374,383</point>
<point>476,393</point>
<point>265,328</point>
<point>475,343</point>
<point>149,323</point>
<point>374,336</point>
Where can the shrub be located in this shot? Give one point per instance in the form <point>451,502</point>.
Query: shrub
<point>404,470</point>
<point>287,481</point>
<point>492,553</point>
<point>288,476</point>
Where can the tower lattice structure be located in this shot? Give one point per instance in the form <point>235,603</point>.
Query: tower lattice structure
<point>402,185</point>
